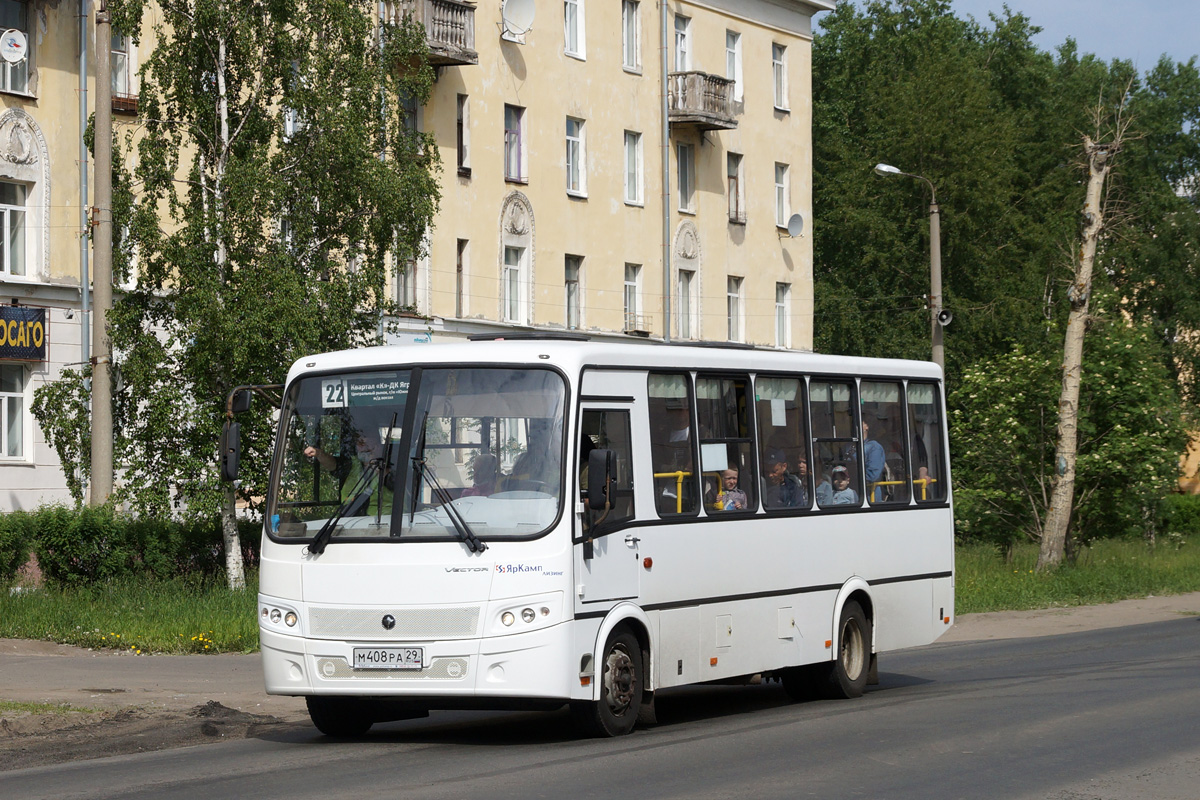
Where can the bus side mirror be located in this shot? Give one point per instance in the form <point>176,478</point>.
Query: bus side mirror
<point>602,464</point>
<point>231,449</point>
<point>240,401</point>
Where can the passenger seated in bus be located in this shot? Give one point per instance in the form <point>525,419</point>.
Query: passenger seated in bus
<point>729,496</point>
<point>483,476</point>
<point>836,491</point>
<point>781,489</point>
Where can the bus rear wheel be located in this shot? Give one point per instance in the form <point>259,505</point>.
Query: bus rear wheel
<point>339,717</point>
<point>849,670</point>
<point>621,685</point>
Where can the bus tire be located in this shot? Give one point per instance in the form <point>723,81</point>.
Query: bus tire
<point>622,681</point>
<point>852,660</point>
<point>339,717</point>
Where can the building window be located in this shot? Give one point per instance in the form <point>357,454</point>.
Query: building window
<point>514,143</point>
<point>779,69</point>
<point>460,279</point>
<point>783,315</point>
<point>15,14</point>
<point>631,36</point>
<point>574,265</point>
<point>576,155</point>
<point>124,71</point>
<point>686,167</point>
<point>683,43</point>
<point>463,136</point>
<point>12,411</point>
<point>406,286</point>
<point>737,188</point>
<point>12,208</point>
<point>633,294</point>
<point>733,294</point>
<point>686,303</point>
<point>733,61</point>
<point>633,168</point>
<point>573,28</point>
<point>511,292</point>
<point>781,195</point>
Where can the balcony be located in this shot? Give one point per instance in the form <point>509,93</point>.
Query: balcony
<point>449,28</point>
<point>124,103</point>
<point>701,100</point>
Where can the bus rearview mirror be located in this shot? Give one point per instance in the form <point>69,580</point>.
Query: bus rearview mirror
<point>231,450</point>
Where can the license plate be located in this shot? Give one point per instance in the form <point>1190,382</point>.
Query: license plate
<point>388,657</point>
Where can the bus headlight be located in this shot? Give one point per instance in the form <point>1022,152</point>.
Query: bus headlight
<point>507,618</point>
<point>290,619</point>
<point>527,615</point>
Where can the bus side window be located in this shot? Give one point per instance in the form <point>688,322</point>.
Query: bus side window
<point>836,444</point>
<point>608,430</point>
<point>672,445</point>
<point>726,459</point>
<point>885,452</point>
<point>925,434</point>
<point>783,433</point>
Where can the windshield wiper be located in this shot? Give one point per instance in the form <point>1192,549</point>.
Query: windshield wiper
<point>317,545</point>
<point>473,542</point>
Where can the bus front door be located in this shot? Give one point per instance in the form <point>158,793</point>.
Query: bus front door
<point>606,552</point>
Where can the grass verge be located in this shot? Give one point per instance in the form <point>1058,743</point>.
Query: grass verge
<point>10,707</point>
<point>176,616</point>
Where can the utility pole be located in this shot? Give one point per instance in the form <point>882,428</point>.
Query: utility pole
<point>102,419</point>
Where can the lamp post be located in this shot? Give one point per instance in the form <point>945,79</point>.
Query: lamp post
<point>935,263</point>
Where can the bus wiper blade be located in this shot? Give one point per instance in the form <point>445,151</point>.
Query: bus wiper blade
<point>473,542</point>
<point>317,545</point>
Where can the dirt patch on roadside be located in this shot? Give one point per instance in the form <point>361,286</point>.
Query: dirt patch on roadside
<point>34,740</point>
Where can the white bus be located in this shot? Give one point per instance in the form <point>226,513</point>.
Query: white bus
<point>545,521</point>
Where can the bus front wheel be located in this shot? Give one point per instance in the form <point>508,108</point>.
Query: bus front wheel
<point>339,717</point>
<point>621,685</point>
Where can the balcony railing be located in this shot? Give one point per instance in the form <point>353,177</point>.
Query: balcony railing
<point>123,103</point>
<point>449,28</point>
<point>702,100</point>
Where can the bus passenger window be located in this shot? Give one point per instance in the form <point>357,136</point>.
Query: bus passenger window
<point>726,460</point>
<point>783,443</point>
<point>925,433</point>
<point>608,430</point>
<point>836,444</point>
<point>672,445</point>
<point>885,452</point>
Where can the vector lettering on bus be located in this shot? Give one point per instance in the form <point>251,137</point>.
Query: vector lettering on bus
<point>23,333</point>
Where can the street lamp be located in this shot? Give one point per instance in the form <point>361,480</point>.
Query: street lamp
<point>935,264</point>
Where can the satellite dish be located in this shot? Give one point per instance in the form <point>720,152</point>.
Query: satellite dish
<point>13,46</point>
<point>517,16</point>
<point>795,225</point>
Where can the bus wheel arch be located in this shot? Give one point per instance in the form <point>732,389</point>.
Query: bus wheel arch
<point>622,692</point>
<point>853,665</point>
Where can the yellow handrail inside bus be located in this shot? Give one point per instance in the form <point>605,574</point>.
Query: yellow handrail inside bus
<point>678,476</point>
<point>923,481</point>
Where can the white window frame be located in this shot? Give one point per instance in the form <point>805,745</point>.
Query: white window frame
<point>14,227</point>
<point>683,43</point>
<point>15,78</point>
<point>779,75</point>
<point>685,166</point>
<point>631,36</point>
<point>782,194</point>
<point>462,131</point>
<point>514,144</point>
<point>735,174</point>
<point>574,29</point>
<point>733,62</point>
<point>576,157</point>
<point>634,169</point>
<point>632,298</point>
<point>514,304</point>
<point>7,399</point>
<point>407,294</point>
<point>685,299</point>
<point>124,76</point>
<point>573,291</point>
<point>783,315</point>
<point>462,277</point>
<point>735,303</point>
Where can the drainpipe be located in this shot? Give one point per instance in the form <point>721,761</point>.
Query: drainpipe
<point>666,180</point>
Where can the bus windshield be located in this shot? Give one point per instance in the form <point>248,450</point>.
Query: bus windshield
<point>486,441</point>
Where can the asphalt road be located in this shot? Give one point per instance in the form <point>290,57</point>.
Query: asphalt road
<point>1103,715</point>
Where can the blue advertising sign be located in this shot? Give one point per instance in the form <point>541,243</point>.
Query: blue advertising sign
<point>23,333</point>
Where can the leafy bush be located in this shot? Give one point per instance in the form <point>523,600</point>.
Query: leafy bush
<point>77,547</point>
<point>1181,514</point>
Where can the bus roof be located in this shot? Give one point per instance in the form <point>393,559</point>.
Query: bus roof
<point>572,354</point>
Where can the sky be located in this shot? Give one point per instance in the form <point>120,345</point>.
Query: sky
<point>1136,30</point>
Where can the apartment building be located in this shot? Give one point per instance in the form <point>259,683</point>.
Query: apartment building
<point>549,119</point>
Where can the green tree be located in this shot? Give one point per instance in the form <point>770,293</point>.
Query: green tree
<point>276,176</point>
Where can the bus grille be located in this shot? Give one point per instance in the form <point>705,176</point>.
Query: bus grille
<point>413,623</point>
<point>441,669</point>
